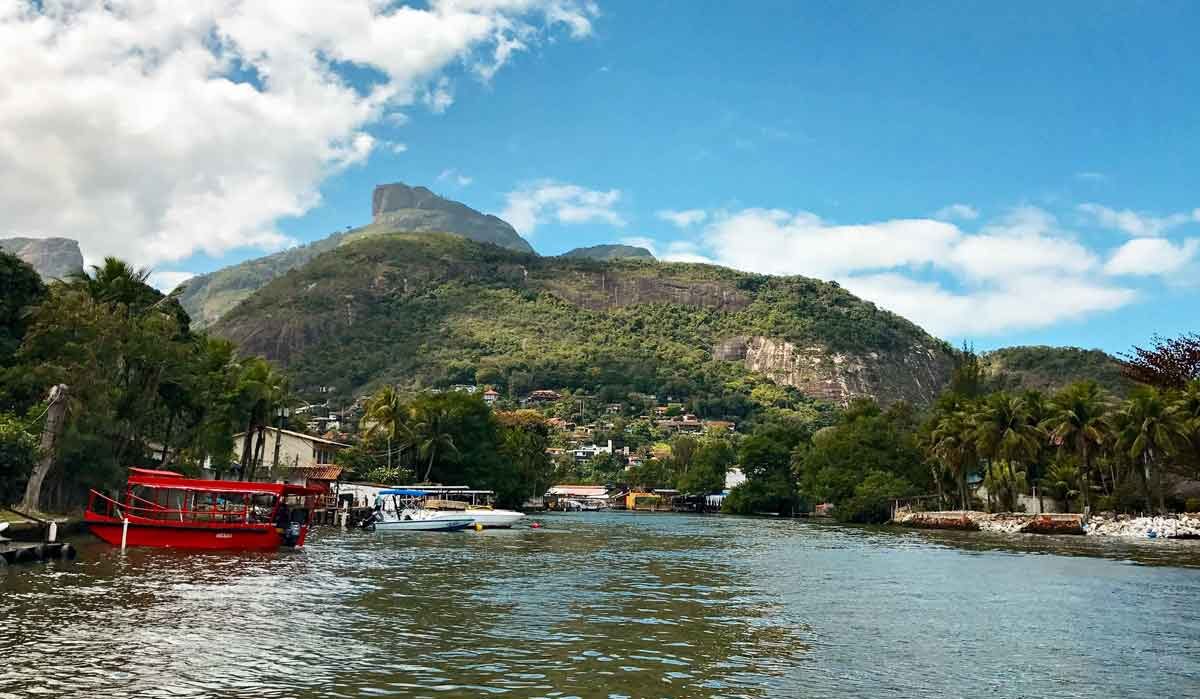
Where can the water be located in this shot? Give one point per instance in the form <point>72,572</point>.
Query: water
<point>613,605</point>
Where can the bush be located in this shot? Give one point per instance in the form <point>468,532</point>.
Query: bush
<point>761,497</point>
<point>872,500</point>
<point>18,452</point>
<point>1192,505</point>
<point>1105,503</point>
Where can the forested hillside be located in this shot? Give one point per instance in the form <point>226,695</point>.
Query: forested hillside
<point>434,310</point>
<point>1051,368</point>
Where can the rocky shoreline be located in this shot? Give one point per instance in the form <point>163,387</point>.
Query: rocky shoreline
<point>1182,526</point>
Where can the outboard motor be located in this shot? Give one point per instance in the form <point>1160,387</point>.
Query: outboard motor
<point>291,534</point>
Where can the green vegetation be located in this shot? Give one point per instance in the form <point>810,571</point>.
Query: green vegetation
<point>452,438</point>
<point>610,252</point>
<point>430,311</point>
<point>142,385</point>
<point>1016,369</point>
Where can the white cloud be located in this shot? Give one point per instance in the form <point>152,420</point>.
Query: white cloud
<point>454,176</point>
<point>684,218</point>
<point>1022,302</point>
<point>153,130</point>
<point>1018,272</point>
<point>1136,223</point>
<point>1151,256</point>
<point>547,200</point>
<point>398,148</point>
<point>166,281</point>
<point>957,212</point>
<point>777,242</point>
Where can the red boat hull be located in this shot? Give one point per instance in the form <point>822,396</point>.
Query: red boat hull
<point>186,535</point>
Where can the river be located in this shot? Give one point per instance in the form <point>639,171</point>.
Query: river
<point>613,605</point>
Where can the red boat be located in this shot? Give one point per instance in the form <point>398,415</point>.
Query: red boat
<point>165,509</point>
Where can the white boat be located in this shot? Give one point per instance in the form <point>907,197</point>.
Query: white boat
<point>484,515</point>
<point>407,514</point>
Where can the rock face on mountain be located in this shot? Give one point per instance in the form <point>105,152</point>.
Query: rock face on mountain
<point>610,252</point>
<point>396,208</point>
<point>52,258</point>
<point>418,210</point>
<point>434,310</point>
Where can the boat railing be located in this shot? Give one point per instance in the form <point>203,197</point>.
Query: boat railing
<point>105,506</point>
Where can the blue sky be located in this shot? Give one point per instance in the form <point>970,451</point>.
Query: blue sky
<point>1003,173</point>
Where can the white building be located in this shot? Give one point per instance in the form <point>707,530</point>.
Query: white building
<point>296,449</point>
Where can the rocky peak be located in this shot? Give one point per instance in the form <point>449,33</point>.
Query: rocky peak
<point>401,208</point>
<point>52,258</point>
<point>398,196</point>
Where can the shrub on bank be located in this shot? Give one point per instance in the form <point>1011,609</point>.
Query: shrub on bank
<point>872,500</point>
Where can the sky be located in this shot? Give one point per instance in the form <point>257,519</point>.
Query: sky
<point>999,173</point>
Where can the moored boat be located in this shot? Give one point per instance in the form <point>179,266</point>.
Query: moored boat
<point>484,515</point>
<point>407,513</point>
<point>166,509</point>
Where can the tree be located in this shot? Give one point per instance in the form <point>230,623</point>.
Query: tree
<point>1004,430</point>
<point>706,474</point>
<point>1077,422</point>
<point>873,498</point>
<point>18,452</point>
<point>952,443</point>
<point>1147,430</point>
<point>1168,364</point>
<point>23,290</point>
<point>1004,482</point>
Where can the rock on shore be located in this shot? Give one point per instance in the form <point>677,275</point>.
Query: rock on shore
<point>1184,526</point>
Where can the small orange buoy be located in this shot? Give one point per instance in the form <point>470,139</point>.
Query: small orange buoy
<point>478,527</point>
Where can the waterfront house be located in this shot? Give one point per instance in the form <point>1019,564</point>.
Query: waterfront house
<point>296,450</point>
<point>490,396</point>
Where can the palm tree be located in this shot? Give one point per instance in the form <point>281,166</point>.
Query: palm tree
<point>388,415</point>
<point>1005,482</point>
<point>1148,429</point>
<point>116,281</point>
<point>1187,407</point>
<point>432,438</point>
<point>1004,431</point>
<point>260,389</point>
<point>953,445</point>
<point>1077,422</point>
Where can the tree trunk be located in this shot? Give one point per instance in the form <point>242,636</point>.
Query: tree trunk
<point>167,439</point>
<point>429,468</point>
<point>247,448</point>
<point>1086,483</point>
<point>56,415</point>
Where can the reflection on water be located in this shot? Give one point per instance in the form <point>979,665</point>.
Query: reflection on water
<point>613,605</point>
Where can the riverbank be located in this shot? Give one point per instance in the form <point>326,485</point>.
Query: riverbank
<point>1179,526</point>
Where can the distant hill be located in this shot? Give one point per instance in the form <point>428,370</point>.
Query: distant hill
<point>425,310</point>
<point>395,207</point>
<point>610,252</point>
<point>1051,368</point>
<point>52,258</point>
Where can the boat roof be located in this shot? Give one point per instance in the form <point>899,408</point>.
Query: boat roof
<point>151,478</point>
<point>404,491</point>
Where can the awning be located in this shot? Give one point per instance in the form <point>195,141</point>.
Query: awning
<point>178,482</point>
<point>405,491</point>
<point>316,473</point>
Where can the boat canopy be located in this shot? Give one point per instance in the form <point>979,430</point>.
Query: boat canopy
<point>175,481</point>
<point>405,491</point>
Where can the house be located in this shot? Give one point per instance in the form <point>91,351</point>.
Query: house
<point>490,396</point>
<point>590,451</point>
<point>543,396</point>
<point>577,497</point>
<point>464,388</point>
<point>635,460</point>
<point>613,408</point>
<point>685,425</point>
<point>719,426</point>
<point>296,450</point>
<point>560,425</point>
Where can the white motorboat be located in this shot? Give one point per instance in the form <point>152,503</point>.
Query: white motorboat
<point>407,514</point>
<point>484,515</point>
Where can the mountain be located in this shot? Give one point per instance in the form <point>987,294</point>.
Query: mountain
<point>52,258</point>
<point>1051,368</point>
<point>398,207</point>
<point>425,310</point>
<point>395,207</point>
<point>610,252</point>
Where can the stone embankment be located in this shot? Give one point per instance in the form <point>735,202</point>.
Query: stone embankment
<point>1184,526</point>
